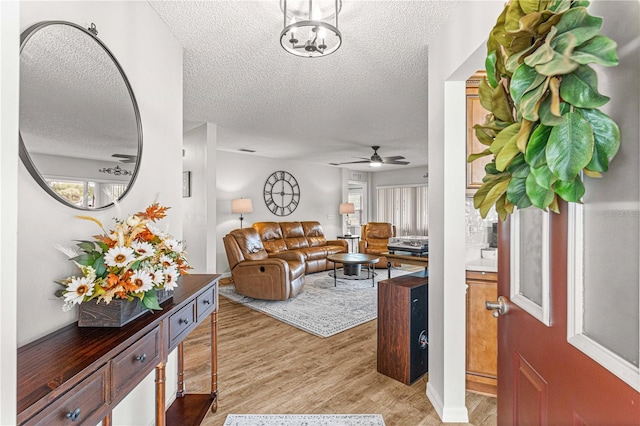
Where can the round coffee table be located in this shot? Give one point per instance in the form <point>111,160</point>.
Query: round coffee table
<point>351,265</point>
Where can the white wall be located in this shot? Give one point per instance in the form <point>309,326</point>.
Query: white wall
<point>152,59</point>
<point>9,83</point>
<point>243,175</point>
<point>464,33</point>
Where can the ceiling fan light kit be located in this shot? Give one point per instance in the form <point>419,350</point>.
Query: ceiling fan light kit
<point>310,27</point>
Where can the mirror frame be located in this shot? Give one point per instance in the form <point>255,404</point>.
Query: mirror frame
<point>24,153</point>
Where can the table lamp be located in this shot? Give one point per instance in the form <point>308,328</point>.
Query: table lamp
<point>347,209</point>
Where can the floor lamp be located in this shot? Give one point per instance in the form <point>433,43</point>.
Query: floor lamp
<point>347,209</point>
<point>241,205</point>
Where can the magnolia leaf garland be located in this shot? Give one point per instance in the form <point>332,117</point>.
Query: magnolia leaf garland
<point>544,129</point>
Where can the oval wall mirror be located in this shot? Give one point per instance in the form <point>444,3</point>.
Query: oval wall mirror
<point>80,128</point>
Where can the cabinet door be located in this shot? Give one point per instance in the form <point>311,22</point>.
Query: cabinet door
<point>482,337</point>
<point>476,114</point>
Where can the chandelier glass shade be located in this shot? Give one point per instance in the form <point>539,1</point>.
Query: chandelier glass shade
<point>310,27</point>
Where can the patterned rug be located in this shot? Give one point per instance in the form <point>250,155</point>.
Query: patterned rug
<point>322,309</point>
<point>304,420</point>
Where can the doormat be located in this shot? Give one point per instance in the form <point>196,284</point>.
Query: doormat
<point>304,420</point>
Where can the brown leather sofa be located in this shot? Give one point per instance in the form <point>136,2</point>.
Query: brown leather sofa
<point>305,238</point>
<point>374,239</point>
<point>259,275</point>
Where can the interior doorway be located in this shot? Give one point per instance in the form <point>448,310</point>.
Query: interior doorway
<point>357,194</point>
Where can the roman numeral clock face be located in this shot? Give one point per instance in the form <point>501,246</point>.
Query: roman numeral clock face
<point>281,193</point>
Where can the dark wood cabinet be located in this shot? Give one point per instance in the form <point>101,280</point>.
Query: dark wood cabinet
<point>77,375</point>
<point>402,327</point>
<point>482,333</point>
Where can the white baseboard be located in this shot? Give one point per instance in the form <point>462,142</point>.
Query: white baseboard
<point>447,414</point>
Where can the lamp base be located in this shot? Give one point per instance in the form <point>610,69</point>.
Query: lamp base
<point>347,234</point>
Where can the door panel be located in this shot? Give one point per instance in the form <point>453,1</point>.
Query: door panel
<point>543,378</point>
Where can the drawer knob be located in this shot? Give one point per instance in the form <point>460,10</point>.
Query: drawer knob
<point>73,415</point>
<point>206,301</point>
<point>141,358</point>
<point>183,321</point>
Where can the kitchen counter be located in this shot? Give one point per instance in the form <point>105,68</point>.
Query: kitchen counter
<point>482,265</point>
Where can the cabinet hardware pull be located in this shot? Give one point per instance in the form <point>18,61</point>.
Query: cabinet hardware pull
<point>206,301</point>
<point>73,415</point>
<point>141,358</point>
<point>183,321</point>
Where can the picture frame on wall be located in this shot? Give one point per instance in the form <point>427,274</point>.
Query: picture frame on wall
<point>186,184</point>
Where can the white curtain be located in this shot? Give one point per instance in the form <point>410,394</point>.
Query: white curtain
<point>405,207</point>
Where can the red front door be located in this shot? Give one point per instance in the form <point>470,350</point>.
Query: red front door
<point>544,380</point>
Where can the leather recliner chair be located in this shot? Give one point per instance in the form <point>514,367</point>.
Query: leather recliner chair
<point>259,276</point>
<point>374,239</point>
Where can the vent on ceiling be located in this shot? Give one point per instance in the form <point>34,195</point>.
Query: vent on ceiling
<point>246,150</point>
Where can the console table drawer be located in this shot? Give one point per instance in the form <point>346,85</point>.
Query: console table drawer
<point>181,321</point>
<point>205,303</point>
<point>134,363</point>
<point>84,404</point>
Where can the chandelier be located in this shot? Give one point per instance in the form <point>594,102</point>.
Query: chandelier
<point>310,27</point>
<point>117,171</point>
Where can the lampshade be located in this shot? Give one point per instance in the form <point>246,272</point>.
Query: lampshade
<point>241,205</point>
<point>310,27</point>
<point>347,208</point>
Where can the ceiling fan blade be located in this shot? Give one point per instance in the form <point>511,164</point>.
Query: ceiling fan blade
<point>394,158</point>
<point>399,163</point>
<point>356,162</point>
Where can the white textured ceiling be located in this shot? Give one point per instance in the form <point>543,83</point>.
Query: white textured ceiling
<point>372,91</point>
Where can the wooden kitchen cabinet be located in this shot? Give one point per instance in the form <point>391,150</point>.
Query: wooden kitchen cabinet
<point>482,333</point>
<point>476,114</point>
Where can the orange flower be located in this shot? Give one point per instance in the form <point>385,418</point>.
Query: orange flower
<point>112,280</point>
<point>108,241</point>
<point>145,235</point>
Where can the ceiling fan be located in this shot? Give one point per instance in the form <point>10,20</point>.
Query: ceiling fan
<point>376,161</point>
<point>126,158</point>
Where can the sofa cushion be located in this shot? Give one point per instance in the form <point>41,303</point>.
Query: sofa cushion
<point>250,243</point>
<point>314,233</point>
<point>293,235</point>
<point>314,253</point>
<point>271,236</point>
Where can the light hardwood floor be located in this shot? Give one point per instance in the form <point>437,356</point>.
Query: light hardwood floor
<point>269,367</point>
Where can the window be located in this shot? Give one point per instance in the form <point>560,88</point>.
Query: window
<point>405,207</point>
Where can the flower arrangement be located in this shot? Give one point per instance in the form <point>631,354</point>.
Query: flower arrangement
<point>129,262</point>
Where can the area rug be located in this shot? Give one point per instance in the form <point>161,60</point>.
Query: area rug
<point>304,420</point>
<point>322,309</point>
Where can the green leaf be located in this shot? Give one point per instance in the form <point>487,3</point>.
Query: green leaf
<point>494,193</point>
<point>103,246</point>
<point>84,259</point>
<point>517,193</point>
<point>518,168</point>
<point>543,176</point>
<point>514,13</point>
<point>570,147</point>
<point>600,49</point>
<point>482,133</point>
<point>580,88</point>
<point>86,246</point>
<point>504,136</point>
<point>559,65</point>
<point>577,23</point>
<point>571,191</point>
<point>606,136</point>
<point>530,6</point>
<point>539,196</point>
<point>490,67</point>
<point>530,102</point>
<point>549,119</point>
<point>485,93</point>
<point>560,6</point>
<point>150,301</point>
<point>474,157</point>
<point>507,153</point>
<point>500,104</point>
<point>535,153</point>
<point>490,168</point>
<point>544,53</point>
<point>100,267</point>
<point>513,61</point>
<point>524,78</point>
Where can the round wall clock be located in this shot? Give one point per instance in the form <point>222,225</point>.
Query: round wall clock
<point>281,193</point>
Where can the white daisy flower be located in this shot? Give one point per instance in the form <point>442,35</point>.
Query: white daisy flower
<point>157,277</point>
<point>174,245</point>
<point>170,278</point>
<point>155,230</point>
<point>142,280</point>
<point>78,289</point>
<point>143,249</point>
<point>119,256</point>
<point>166,261</point>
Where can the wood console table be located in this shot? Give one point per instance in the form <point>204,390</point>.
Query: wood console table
<point>80,374</point>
